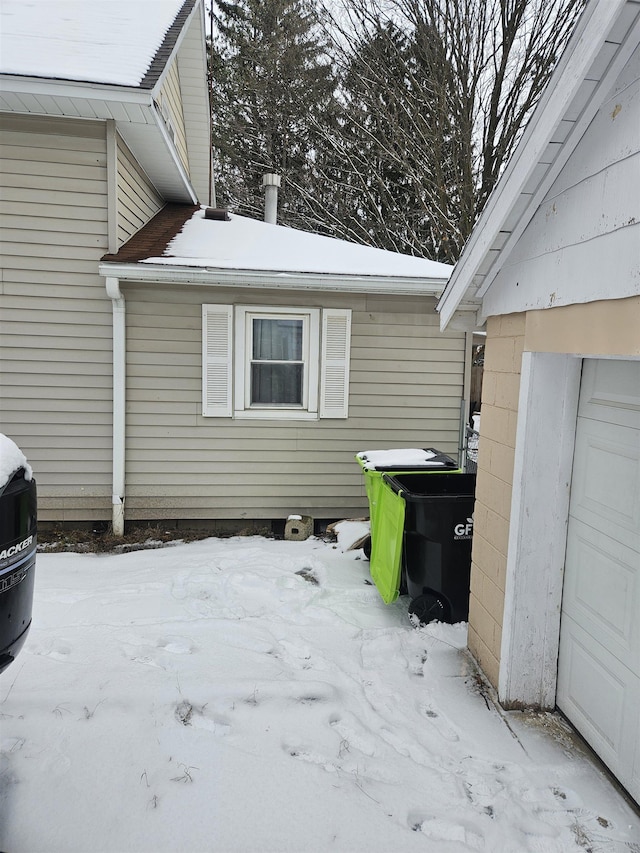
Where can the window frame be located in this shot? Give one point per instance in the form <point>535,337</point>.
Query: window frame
<point>243,356</point>
<point>225,356</point>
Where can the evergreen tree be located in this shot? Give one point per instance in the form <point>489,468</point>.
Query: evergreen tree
<point>272,87</point>
<point>436,94</point>
<point>394,154</point>
<point>392,127</point>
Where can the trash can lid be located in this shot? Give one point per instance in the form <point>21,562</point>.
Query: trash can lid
<point>405,459</point>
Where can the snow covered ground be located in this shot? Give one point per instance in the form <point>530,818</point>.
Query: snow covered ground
<point>256,695</point>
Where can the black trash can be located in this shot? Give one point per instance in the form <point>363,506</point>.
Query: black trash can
<point>436,554</point>
<point>384,546</point>
<point>18,519</point>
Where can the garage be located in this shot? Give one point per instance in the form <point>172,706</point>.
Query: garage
<point>599,658</point>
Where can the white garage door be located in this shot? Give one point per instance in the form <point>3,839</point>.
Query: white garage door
<point>599,665</point>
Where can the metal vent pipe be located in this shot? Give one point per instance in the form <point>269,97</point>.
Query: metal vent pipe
<point>271,184</point>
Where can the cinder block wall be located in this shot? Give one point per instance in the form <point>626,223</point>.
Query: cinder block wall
<point>500,390</point>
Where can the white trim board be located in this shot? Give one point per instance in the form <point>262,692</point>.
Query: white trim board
<point>547,412</point>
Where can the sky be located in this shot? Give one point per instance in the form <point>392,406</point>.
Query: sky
<point>252,694</point>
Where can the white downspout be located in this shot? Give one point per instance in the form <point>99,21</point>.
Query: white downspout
<point>119,403</point>
<point>465,402</point>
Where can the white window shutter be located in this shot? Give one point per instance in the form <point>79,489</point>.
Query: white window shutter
<point>336,346</point>
<point>217,340</point>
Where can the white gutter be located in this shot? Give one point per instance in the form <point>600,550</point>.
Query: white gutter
<point>264,279</point>
<point>466,394</point>
<point>109,92</point>
<point>119,404</point>
<point>173,152</point>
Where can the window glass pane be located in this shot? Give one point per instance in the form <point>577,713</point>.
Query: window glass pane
<point>277,339</point>
<point>273,384</point>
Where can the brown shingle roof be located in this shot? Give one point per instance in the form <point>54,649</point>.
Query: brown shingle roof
<point>163,53</point>
<point>152,240</point>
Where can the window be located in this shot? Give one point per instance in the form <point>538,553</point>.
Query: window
<point>277,368</point>
<point>277,362</point>
<point>264,362</point>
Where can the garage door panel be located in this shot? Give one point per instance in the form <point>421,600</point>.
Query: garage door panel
<point>611,385</point>
<point>601,698</point>
<point>634,786</point>
<point>592,694</point>
<point>599,659</point>
<point>606,480</point>
<point>601,591</point>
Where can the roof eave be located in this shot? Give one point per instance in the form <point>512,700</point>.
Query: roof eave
<point>147,273</point>
<point>76,89</point>
<point>196,9</point>
<point>134,112</point>
<point>584,46</point>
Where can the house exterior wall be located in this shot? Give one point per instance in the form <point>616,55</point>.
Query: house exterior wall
<point>406,382</point>
<point>170,104</point>
<point>598,329</point>
<point>605,328</point>
<point>500,391</point>
<point>137,199</point>
<point>55,340</point>
<point>192,70</point>
<point>582,243</point>
<point>569,287</point>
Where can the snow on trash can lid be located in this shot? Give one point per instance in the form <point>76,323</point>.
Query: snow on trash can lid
<point>12,459</point>
<point>404,459</point>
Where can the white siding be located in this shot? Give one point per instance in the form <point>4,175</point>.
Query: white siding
<point>405,387</point>
<point>138,201</point>
<point>55,318</point>
<point>170,104</point>
<point>586,233</point>
<point>195,106</point>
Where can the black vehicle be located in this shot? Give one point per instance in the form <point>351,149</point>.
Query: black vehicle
<point>18,539</point>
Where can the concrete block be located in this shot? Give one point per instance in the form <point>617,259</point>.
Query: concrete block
<point>298,528</point>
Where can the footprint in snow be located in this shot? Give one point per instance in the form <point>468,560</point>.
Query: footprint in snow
<point>188,714</point>
<point>309,575</point>
<point>175,645</point>
<point>56,650</point>
<point>441,726</point>
<point>304,753</point>
<point>353,735</point>
<point>441,831</point>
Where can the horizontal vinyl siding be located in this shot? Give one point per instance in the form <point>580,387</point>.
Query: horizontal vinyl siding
<point>195,106</point>
<point>55,317</point>
<point>138,200</point>
<point>170,101</point>
<point>405,388</point>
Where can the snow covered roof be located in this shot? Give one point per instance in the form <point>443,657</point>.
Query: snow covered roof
<point>108,60</point>
<point>180,243</point>
<point>99,41</point>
